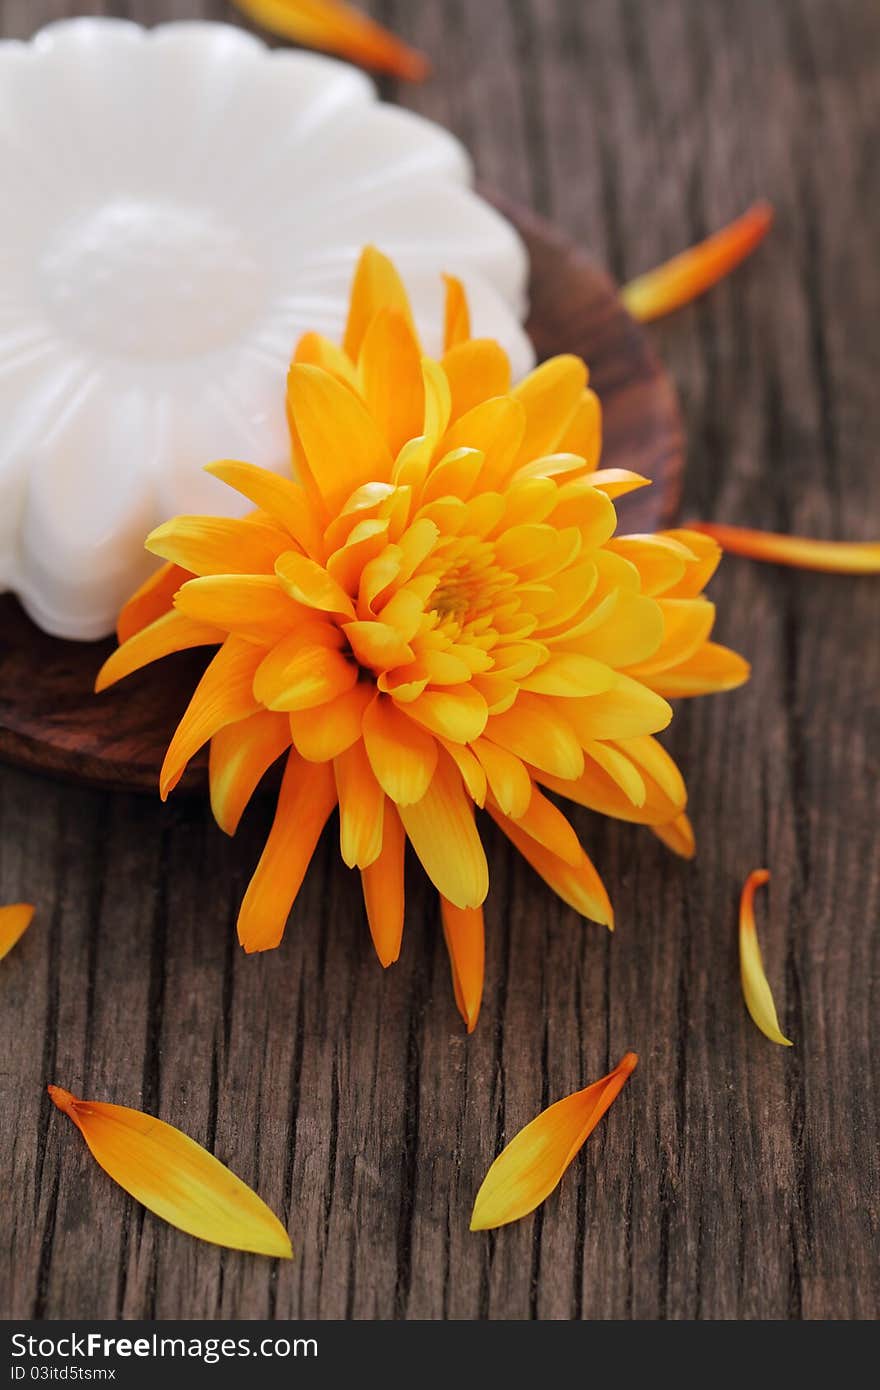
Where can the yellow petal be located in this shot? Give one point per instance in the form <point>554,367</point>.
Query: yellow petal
<point>303,671</point>
<point>456,316</point>
<point>361,808</point>
<point>538,734</point>
<point>308,795</point>
<point>456,712</point>
<point>284,500</point>
<point>531,1166</point>
<point>551,395</point>
<point>755,986</point>
<point>687,623</point>
<point>223,696</point>
<point>711,669</point>
<point>660,560</point>
<point>542,821</point>
<point>617,482</point>
<point>14,922</point>
<point>317,351</point>
<point>443,833</point>
<point>339,28</point>
<point>579,885</point>
<point>568,674</point>
<point>174,1177</point>
<point>376,286</point>
<point>173,632</point>
<point>834,557</point>
<point>507,776</point>
<point>254,606</point>
<point>690,274</point>
<point>219,544</point>
<point>495,428</point>
<point>677,835</point>
<point>377,645</point>
<point>341,442</point>
<point>583,434</point>
<point>464,934</point>
<point>699,571</point>
<point>402,754</point>
<point>632,633</point>
<point>240,755</point>
<point>382,883</point>
<point>151,600</point>
<point>324,731</point>
<point>310,584</point>
<point>625,710</point>
<point>476,371</point>
<point>391,377</point>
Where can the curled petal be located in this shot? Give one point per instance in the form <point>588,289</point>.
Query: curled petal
<point>755,986</point>
<point>832,557</point>
<point>282,498</point>
<point>464,934</point>
<point>339,28</point>
<point>14,922</point>
<point>173,1176</point>
<point>531,1166</point>
<point>690,274</point>
<point>219,544</point>
<point>677,835</point>
<point>577,884</point>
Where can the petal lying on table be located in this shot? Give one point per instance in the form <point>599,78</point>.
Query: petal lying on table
<point>801,552</point>
<point>338,28</point>
<point>696,270</point>
<point>531,1166</point>
<point>14,922</point>
<point>755,986</point>
<point>176,1178</point>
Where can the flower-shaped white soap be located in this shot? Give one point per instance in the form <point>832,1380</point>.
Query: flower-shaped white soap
<point>179,205</point>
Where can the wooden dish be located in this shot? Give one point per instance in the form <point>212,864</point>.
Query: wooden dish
<point>50,721</point>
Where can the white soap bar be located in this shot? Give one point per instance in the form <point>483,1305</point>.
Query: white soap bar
<point>179,205</point>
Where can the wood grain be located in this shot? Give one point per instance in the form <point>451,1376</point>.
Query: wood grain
<point>732,1179</point>
<point>50,719</point>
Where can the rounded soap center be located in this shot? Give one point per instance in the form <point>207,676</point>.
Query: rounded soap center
<point>142,279</point>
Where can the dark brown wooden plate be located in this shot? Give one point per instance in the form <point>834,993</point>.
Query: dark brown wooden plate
<point>50,721</point>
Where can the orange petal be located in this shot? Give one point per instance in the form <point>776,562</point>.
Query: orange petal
<point>219,544</point>
<point>707,672</point>
<point>506,775</point>
<point>376,286</point>
<point>755,986</point>
<point>151,600</point>
<point>443,833</point>
<point>677,835</point>
<point>382,883</point>
<point>223,696</point>
<point>477,371</point>
<point>538,734</point>
<point>323,732</point>
<point>240,755</point>
<point>579,885</point>
<point>391,376</point>
<point>254,606</point>
<point>551,395</point>
<point>14,922</point>
<point>308,795</point>
<point>286,501</point>
<point>339,28</point>
<point>303,671</point>
<point>361,808</point>
<point>173,632</point>
<point>688,275</point>
<point>616,482</point>
<point>457,315</point>
<point>341,442</point>
<point>309,584</point>
<point>531,1166</point>
<point>465,941</point>
<point>833,557</point>
<point>402,754</point>
<point>176,1178</point>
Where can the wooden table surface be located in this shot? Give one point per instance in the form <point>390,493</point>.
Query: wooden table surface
<point>733,1179</point>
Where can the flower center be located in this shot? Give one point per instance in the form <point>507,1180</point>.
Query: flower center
<point>141,279</point>
<point>471,582</point>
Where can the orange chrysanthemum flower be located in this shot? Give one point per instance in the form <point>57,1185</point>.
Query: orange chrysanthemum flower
<point>438,616</point>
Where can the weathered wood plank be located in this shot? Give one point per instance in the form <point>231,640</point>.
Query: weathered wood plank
<point>732,1179</point>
